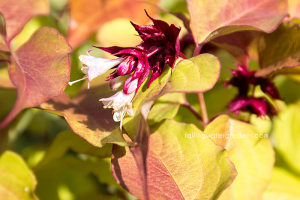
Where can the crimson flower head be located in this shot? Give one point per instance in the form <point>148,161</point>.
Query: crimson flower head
<point>242,79</point>
<point>159,48</point>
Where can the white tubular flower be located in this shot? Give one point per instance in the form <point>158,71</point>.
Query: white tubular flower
<point>115,83</point>
<point>93,66</point>
<point>121,103</point>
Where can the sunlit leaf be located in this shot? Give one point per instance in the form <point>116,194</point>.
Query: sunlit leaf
<point>40,69</point>
<point>16,180</point>
<point>210,19</point>
<point>292,72</point>
<point>69,140</point>
<point>279,49</point>
<point>294,9</point>
<point>251,153</point>
<point>182,163</point>
<point>284,186</point>
<point>197,74</point>
<point>87,17</point>
<point>18,13</point>
<point>286,132</point>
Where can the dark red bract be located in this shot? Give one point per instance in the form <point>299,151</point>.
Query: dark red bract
<point>242,79</point>
<point>160,47</point>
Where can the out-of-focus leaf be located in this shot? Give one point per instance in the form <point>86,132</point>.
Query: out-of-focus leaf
<point>250,152</point>
<point>166,107</point>
<point>72,178</point>
<point>292,72</point>
<point>283,186</point>
<point>18,13</point>
<point>237,44</point>
<point>182,163</point>
<point>197,74</point>
<point>279,49</point>
<point>210,19</point>
<point>87,117</point>
<point>294,9</point>
<point>69,140</point>
<point>16,180</point>
<point>87,17</point>
<point>286,132</point>
<point>40,69</point>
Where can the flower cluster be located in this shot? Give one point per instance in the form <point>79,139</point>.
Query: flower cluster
<point>159,48</point>
<point>242,79</point>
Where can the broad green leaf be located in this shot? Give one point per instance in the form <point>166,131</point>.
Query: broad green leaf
<point>72,178</point>
<point>283,186</point>
<point>210,19</point>
<point>18,13</point>
<point>251,153</point>
<point>182,163</point>
<point>291,72</point>
<point>286,133</point>
<point>69,140</point>
<point>197,74</point>
<point>166,107</point>
<point>86,18</point>
<point>16,180</point>
<point>39,69</point>
<point>279,49</point>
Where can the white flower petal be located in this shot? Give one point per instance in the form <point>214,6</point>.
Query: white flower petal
<point>117,82</point>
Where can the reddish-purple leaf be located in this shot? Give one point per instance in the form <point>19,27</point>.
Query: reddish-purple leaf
<point>17,13</point>
<point>210,19</point>
<point>87,117</point>
<point>39,69</point>
<point>178,167</point>
<point>237,44</point>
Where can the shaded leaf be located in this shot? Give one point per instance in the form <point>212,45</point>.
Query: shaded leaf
<point>87,17</point>
<point>166,107</point>
<point>237,44</point>
<point>210,19</point>
<point>250,152</point>
<point>279,49</point>
<point>178,167</point>
<point>283,186</point>
<point>69,140</point>
<point>292,72</point>
<point>18,13</point>
<point>40,69</point>
<point>87,117</point>
<point>16,180</point>
<point>286,132</point>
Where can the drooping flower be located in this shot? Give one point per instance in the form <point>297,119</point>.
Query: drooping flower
<point>242,79</point>
<point>159,48</point>
<point>93,66</point>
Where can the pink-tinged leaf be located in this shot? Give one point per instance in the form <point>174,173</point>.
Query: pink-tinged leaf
<point>17,13</point>
<point>87,117</point>
<point>179,165</point>
<point>88,16</point>
<point>211,19</point>
<point>279,49</point>
<point>40,69</point>
<point>4,49</point>
<point>237,44</point>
